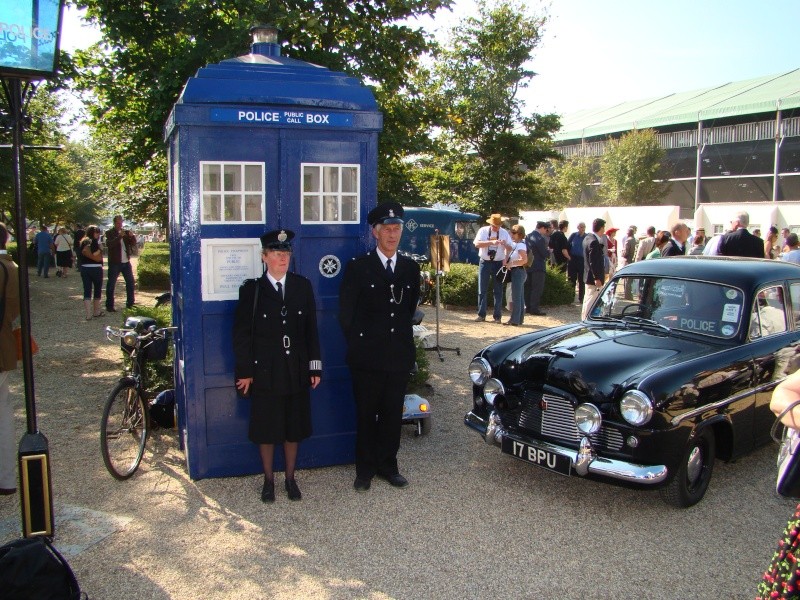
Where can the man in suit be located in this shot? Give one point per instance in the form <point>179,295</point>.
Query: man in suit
<point>594,273</point>
<point>677,242</point>
<point>740,242</point>
<point>8,362</point>
<point>646,244</point>
<point>377,300</point>
<point>277,354</point>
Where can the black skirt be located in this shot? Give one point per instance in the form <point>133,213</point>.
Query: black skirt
<point>278,419</point>
<point>64,259</point>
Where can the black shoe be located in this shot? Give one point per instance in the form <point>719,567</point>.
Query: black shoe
<point>361,484</point>
<point>131,306</point>
<point>480,318</point>
<point>538,313</point>
<point>292,490</point>
<point>498,321</point>
<point>110,309</point>
<point>395,480</point>
<point>268,491</point>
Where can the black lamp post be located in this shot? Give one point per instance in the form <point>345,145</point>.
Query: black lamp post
<point>28,52</point>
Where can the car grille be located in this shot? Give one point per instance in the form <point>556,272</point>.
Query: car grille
<point>558,422</point>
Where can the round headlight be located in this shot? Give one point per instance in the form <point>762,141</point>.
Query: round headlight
<point>479,371</point>
<point>636,407</point>
<point>492,390</point>
<point>588,418</point>
<point>130,339</point>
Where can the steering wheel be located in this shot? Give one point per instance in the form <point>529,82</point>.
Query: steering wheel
<point>642,309</point>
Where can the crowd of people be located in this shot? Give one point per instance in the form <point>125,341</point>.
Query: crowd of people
<point>88,249</point>
<point>580,255</point>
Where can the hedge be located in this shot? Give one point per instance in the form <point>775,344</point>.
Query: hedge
<point>460,287</point>
<point>152,272</point>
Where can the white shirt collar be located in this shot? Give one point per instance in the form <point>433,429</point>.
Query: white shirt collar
<point>275,282</point>
<point>384,258</point>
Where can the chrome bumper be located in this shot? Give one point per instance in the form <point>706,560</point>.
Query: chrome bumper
<point>584,461</point>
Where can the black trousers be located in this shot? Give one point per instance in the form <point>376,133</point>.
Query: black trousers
<point>379,412</point>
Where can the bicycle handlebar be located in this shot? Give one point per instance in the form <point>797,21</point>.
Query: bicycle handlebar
<point>153,333</point>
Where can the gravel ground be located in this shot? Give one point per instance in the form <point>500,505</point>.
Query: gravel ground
<point>473,523</point>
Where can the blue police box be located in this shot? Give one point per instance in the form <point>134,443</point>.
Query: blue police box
<point>256,143</point>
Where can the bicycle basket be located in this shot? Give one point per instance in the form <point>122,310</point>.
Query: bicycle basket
<point>156,350</point>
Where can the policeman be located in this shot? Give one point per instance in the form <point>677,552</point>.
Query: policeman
<point>276,348</point>
<point>377,300</point>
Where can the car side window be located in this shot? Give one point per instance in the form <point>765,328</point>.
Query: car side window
<point>794,292</point>
<point>769,313</point>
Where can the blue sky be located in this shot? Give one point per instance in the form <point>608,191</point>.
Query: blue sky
<point>602,52</point>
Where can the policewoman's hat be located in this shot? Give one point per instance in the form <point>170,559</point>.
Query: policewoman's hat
<point>277,240</point>
<point>385,214</point>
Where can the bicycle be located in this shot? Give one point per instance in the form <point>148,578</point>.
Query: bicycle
<point>126,419</point>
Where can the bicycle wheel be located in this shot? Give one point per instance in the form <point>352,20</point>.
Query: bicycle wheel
<point>123,430</point>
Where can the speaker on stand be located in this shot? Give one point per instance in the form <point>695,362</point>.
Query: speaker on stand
<point>440,259</point>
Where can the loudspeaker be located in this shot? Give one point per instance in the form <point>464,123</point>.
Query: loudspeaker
<point>440,252</point>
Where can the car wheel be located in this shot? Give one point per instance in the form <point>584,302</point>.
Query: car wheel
<point>690,483</point>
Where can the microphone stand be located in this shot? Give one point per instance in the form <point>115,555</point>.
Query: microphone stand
<point>438,266</point>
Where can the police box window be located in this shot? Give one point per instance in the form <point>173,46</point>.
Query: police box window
<point>232,192</point>
<point>331,193</point>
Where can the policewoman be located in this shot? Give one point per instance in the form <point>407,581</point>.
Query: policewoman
<point>377,300</point>
<point>276,347</point>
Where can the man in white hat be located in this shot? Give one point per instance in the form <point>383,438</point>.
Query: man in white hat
<point>492,241</point>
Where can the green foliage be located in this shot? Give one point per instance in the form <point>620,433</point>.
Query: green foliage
<point>53,188</point>
<point>152,271</point>
<point>460,287</point>
<point>564,181</point>
<point>420,378</point>
<point>476,79</point>
<point>629,169</point>
<point>557,289</point>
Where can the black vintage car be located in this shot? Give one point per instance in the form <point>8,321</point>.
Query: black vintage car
<point>674,367</point>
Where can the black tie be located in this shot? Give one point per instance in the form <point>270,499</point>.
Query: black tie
<point>280,288</point>
<point>389,272</point>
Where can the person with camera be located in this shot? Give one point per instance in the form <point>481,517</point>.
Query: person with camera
<point>492,242</point>
<point>121,244</point>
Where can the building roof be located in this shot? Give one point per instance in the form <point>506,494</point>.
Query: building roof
<point>762,94</point>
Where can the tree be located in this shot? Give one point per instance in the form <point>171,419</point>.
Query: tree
<point>477,78</point>
<point>629,168</point>
<point>53,190</point>
<point>151,48</point>
<point>566,181</point>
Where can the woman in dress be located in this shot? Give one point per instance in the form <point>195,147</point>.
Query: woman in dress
<point>276,349</point>
<point>516,262</point>
<point>90,261</point>
<point>662,240</point>
<point>771,245</point>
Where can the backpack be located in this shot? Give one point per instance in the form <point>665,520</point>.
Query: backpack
<point>33,568</point>
<point>529,249</point>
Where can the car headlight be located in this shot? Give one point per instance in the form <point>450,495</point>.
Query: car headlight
<point>492,390</point>
<point>588,418</point>
<point>479,371</point>
<point>636,407</point>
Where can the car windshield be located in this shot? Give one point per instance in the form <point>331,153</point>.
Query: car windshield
<point>680,304</point>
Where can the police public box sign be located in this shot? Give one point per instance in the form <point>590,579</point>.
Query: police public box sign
<point>271,116</point>
<point>29,37</point>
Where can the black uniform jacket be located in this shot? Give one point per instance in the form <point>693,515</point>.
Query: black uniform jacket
<point>375,317</point>
<point>278,348</point>
<point>594,260</point>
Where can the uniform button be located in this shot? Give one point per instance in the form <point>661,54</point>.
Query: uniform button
<point>284,322</point>
<point>391,314</point>
<point>299,312</point>
<point>255,362</point>
<point>287,352</point>
<point>373,285</point>
<point>265,315</point>
<point>392,330</point>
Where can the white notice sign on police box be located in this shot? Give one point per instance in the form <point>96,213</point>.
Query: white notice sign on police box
<point>226,263</point>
